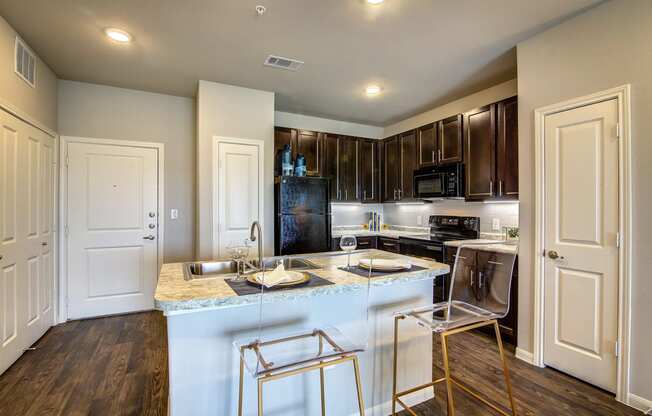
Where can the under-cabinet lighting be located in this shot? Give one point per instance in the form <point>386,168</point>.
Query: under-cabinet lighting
<point>375,1</point>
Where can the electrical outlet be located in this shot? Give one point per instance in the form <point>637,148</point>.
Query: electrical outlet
<point>174,214</point>
<point>495,224</point>
<point>419,219</point>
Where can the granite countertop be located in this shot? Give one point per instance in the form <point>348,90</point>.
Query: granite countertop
<point>175,294</point>
<point>390,233</point>
<point>499,246</point>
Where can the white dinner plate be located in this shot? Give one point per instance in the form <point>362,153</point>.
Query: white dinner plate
<point>293,279</point>
<point>384,264</point>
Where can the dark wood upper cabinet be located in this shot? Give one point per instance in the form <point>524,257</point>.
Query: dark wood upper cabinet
<point>507,149</point>
<point>480,147</point>
<point>348,169</point>
<point>427,145</point>
<point>309,145</point>
<point>368,170</point>
<point>330,163</point>
<point>450,140</point>
<point>391,166</point>
<point>408,164</point>
<point>283,136</point>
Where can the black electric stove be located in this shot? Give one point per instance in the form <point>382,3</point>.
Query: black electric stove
<point>442,228</point>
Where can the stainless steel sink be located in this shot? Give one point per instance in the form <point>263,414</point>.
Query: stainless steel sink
<point>207,269</point>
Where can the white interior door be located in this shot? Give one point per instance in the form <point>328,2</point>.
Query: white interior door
<point>581,226</point>
<point>26,236</point>
<point>112,219</point>
<point>239,185</point>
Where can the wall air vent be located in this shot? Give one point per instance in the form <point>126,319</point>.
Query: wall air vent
<point>25,62</point>
<point>283,63</point>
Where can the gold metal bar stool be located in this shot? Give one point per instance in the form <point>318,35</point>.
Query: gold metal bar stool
<point>333,354</point>
<point>271,356</point>
<point>478,296</point>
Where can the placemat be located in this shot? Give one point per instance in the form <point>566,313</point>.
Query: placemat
<point>361,271</point>
<point>243,288</point>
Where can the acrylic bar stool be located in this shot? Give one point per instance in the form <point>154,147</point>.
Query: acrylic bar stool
<point>478,296</point>
<point>274,356</point>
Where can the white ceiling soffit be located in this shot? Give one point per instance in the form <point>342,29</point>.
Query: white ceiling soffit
<point>422,52</point>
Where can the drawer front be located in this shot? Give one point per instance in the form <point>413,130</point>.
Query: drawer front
<point>388,244</point>
<point>366,243</point>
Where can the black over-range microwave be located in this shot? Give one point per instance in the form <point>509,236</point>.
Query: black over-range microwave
<point>440,181</point>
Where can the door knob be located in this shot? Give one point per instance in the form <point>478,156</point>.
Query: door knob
<point>148,237</point>
<point>554,255</point>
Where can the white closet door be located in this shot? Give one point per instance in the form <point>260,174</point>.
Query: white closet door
<point>26,236</point>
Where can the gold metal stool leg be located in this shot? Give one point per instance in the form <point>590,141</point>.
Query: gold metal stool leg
<point>358,384</point>
<point>321,385</point>
<point>260,397</point>
<point>447,373</point>
<point>396,319</point>
<point>241,387</point>
<point>505,369</point>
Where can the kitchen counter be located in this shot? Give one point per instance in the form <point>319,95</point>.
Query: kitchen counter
<point>205,317</point>
<point>389,233</point>
<point>498,246</point>
<point>174,293</point>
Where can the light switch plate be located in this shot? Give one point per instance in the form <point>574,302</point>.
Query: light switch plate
<point>495,224</point>
<point>174,213</point>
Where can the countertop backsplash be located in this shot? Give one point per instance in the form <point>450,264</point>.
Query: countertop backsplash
<point>353,214</point>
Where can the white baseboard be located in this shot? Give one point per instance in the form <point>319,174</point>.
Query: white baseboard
<point>526,356</point>
<point>640,403</point>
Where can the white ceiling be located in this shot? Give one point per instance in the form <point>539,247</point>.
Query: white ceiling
<point>423,52</point>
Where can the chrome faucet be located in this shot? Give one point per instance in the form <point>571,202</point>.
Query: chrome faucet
<point>256,226</point>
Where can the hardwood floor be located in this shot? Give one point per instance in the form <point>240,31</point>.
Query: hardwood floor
<point>118,366</point>
<point>106,366</point>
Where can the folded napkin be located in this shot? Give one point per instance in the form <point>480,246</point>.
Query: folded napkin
<point>276,276</point>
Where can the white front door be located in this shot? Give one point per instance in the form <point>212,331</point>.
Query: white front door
<point>112,219</point>
<point>581,226</point>
<point>26,236</point>
<point>239,181</point>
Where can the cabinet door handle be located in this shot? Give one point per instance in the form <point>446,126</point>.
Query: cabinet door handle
<point>480,277</point>
<point>433,157</point>
<point>364,194</point>
<point>439,156</point>
<point>491,187</point>
<point>389,244</point>
<point>432,248</point>
<point>400,194</point>
<point>346,194</point>
<point>500,188</point>
<point>494,262</point>
<point>394,194</point>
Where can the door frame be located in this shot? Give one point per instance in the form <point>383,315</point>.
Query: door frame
<point>622,94</point>
<point>62,303</point>
<point>216,183</point>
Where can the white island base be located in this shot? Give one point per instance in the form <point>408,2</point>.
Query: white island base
<point>204,364</point>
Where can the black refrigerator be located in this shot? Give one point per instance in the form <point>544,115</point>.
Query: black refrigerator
<point>302,215</point>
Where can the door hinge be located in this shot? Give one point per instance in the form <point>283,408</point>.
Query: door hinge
<point>616,348</point>
<point>618,130</point>
<point>65,230</point>
<point>618,240</point>
<point>67,160</point>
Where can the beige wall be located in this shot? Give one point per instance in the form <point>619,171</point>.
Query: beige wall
<point>605,47</point>
<point>37,105</point>
<point>243,113</point>
<point>90,110</point>
<point>490,95</point>
<point>325,125</point>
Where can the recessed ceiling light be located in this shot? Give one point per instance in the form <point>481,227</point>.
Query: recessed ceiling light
<point>373,90</point>
<point>374,1</point>
<point>118,35</point>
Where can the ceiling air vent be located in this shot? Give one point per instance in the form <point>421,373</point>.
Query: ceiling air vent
<point>25,63</point>
<point>283,63</point>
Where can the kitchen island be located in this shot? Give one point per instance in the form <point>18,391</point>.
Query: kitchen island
<point>205,316</point>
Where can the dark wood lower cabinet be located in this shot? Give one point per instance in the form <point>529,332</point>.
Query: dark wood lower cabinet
<point>368,242</point>
<point>508,324</point>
